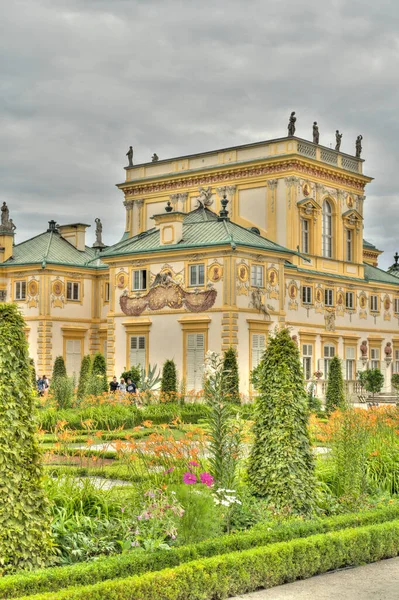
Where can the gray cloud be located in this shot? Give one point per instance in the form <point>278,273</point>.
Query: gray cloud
<point>80,80</point>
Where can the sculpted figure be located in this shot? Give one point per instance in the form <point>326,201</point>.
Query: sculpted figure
<point>388,350</point>
<point>291,124</point>
<point>359,146</point>
<point>99,231</point>
<point>316,134</point>
<point>338,138</point>
<point>155,158</point>
<point>363,348</point>
<point>129,155</point>
<point>5,216</point>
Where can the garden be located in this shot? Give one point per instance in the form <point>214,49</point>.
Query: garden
<point>171,495</point>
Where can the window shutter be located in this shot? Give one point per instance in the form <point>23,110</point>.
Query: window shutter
<point>195,360</point>
<point>137,351</point>
<point>73,357</point>
<point>258,347</point>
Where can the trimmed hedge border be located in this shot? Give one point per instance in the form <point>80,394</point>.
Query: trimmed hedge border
<point>57,578</point>
<point>241,572</point>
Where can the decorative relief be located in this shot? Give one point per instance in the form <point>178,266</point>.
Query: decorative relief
<point>318,300</point>
<point>329,318</point>
<point>57,294</point>
<point>242,279</point>
<point>293,291</point>
<point>169,294</point>
<point>387,306</point>
<point>349,201</point>
<point>121,280</point>
<point>257,302</point>
<point>215,272</point>
<point>272,283</point>
<point>362,306</point>
<point>340,303</point>
<point>33,293</point>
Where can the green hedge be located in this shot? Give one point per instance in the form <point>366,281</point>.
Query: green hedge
<point>120,566</point>
<point>240,572</point>
<point>113,416</point>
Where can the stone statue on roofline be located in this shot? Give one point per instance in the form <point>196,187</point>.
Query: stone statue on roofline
<point>359,146</point>
<point>316,135</point>
<point>99,234</point>
<point>155,157</point>
<point>291,124</point>
<point>129,155</point>
<point>6,223</point>
<point>338,138</point>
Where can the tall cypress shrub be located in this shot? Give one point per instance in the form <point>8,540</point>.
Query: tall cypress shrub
<point>59,368</point>
<point>281,467</point>
<point>169,378</point>
<point>230,377</point>
<point>24,517</point>
<point>335,395</point>
<point>84,376</point>
<point>99,369</point>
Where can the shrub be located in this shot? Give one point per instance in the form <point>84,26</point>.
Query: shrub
<point>235,573</point>
<point>59,369</point>
<point>24,517</point>
<point>230,376</point>
<point>134,374</point>
<point>33,374</point>
<point>395,381</point>
<point>169,378</point>
<point>335,397</point>
<point>62,388</point>
<point>281,466</point>
<point>372,380</point>
<point>84,375</point>
<point>99,367</point>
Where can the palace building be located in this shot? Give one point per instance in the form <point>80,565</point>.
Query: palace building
<point>218,249</point>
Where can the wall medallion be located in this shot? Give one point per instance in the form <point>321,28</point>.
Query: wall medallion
<point>243,273</point>
<point>306,189</point>
<point>57,294</point>
<point>215,272</point>
<point>349,202</point>
<point>121,280</point>
<point>33,288</point>
<point>57,288</point>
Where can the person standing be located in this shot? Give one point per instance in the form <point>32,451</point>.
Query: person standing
<point>122,386</point>
<point>114,385</point>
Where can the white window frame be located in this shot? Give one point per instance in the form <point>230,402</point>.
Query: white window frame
<point>350,363</point>
<point>73,291</point>
<point>373,303</point>
<point>20,290</point>
<point>350,305</point>
<point>327,233</point>
<point>197,275</point>
<point>349,244</point>
<point>329,297</point>
<point>139,280</point>
<point>305,236</point>
<point>307,294</point>
<point>307,359</point>
<point>374,358</point>
<point>257,276</point>
<point>328,354</point>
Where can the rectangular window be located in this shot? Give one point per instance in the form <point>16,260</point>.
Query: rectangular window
<point>195,356</point>
<point>350,364</point>
<point>305,235</point>
<point>307,353</point>
<point>375,358</point>
<point>106,292</point>
<point>349,300</point>
<point>329,353</point>
<point>73,290</point>
<point>197,274</point>
<point>349,245</point>
<point>396,305</point>
<point>258,347</point>
<point>329,297</point>
<point>140,280</point>
<point>137,351</point>
<point>374,303</point>
<point>20,290</point>
<point>396,363</point>
<point>307,294</point>
<point>257,276</point>
<point>73,357</point>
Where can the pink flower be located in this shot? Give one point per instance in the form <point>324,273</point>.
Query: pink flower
<point>207,479</point>
<point>193,463</point>
<point>169,470</point>
<point>189,478</point>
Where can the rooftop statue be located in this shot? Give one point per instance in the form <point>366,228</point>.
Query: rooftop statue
<point>155,157</point>
<point>316,134</point>
<point>99,234</point>
<point>129,155</point>
<point>6,222</point>
<point>338,138</point>
<point>359,146</point>
<point>291,124</point>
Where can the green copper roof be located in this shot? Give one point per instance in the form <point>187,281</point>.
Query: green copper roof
<point>367,244</point>
<point>201,228</point>
<point>51,248</point>
<point>375,274</point>
<point>370,274</point>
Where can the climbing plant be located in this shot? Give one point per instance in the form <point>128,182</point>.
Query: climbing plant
<point>59,369</point>
<point>335,395</point>
<point>230,377</point>
<point>84,375</point>
<point>99,369</point>
<point>169,378</point>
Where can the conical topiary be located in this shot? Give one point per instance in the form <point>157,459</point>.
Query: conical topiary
<point>230,377</point>
<point>281,467</point>
<point>59,369</point>
<point>84,376</point>
<point>169,378</point>
<point>335,395</point>
<point>25,541</point>
<point>99,369</point>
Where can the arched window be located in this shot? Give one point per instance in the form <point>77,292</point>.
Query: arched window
<point>327,230</point>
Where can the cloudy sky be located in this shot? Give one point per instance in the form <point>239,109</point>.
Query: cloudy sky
<point>81,80</point>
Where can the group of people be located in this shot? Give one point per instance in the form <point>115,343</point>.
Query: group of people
<point>128,387</point>
<point>42,385</point>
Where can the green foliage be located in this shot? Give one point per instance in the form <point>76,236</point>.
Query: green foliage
<point>33,374</point>
<point>281,467</point>
<point>57,578</point>
<point>99,367</point>
<point>230,574</point>
<point>24,518</point>
<point>372,380</point>
<point>150,378</point>
<point>85,369</point>
<point>395,381</point>
<point>202,519</point>
<point>314,403</point>
<point>63,388</point>
<point>59,369</point>
<point>230,376</point>
<point>134,374</point>
<point>169,377</point>
<point>95,385</point>
<point>335,396</point>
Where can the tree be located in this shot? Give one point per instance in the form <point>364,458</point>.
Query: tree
<point>99,369</point>
<point>134,374</point>
<point>84,375</point>
<point>169,378</point>
<point>281,466</point>
<point>230,376</point>
<point>25,540</point>
<point>335,395</point>
<point>372,380</point>
<point>59,369</point>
